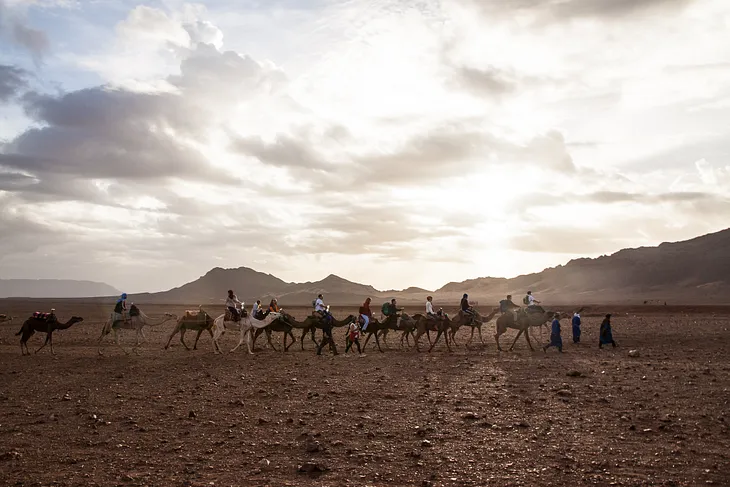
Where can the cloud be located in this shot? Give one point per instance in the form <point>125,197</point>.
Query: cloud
<point>490,81</point>
<point>563,10</point>
<point>12,81</point>
<point>13,27</point>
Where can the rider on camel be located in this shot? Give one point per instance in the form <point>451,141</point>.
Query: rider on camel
<point>366,314</point>
<point>231,302</point>
<point>120,309</point>
<point>466,309</point>
<point>430,313</point>
<point>321,310</point>
<point>531,303</point>
<point>507,305</point>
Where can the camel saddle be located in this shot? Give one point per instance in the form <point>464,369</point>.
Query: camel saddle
<point>38,315</point>
<point>134,311</point>
<point>195,315</point>
<point>229,315</point>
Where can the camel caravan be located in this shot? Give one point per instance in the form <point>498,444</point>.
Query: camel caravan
<point>251,325</point>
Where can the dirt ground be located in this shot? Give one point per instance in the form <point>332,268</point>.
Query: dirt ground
<point>469,418</point>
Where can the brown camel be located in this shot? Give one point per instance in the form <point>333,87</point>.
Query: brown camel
<point>476,323</point>
<point>307,326</point>
<point>199,321</point>
<point>522,321</point>
<point>404,323</point>
<point>47,326</point>
<point>443,326</point>
<point>277,325</point>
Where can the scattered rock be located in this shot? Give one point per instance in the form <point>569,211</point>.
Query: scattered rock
<point>426,444</point>
<point>574,373</point>
<point>312,468</point>
<point>634,353</point>
<point>564,393</point>
<point>470,415</point>
<point>265,465</point>
<point>192,415</point>
<point>313,446</point>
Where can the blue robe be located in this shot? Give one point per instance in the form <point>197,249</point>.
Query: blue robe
<point>555,339</point>
<point>576,328</point>
<point>606,336</point>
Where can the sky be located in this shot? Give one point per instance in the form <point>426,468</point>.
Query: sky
<point>392,142</point>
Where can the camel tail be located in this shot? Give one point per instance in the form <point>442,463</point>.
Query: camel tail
<point>19,332</point>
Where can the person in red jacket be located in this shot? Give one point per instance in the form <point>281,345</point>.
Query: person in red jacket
<point>365,313</point>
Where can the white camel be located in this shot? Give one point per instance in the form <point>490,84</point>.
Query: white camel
<point>246,326</point>
<point>136,323</point>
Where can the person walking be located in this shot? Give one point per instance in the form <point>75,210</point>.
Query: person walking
<point>555,339</point>
<point>605,333</point>
<point>576,326</point>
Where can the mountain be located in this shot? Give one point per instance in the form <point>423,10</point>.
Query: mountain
<point>53,288</point>
<point>695,271</point>
<point>251,285</point>
<point>691,271</point>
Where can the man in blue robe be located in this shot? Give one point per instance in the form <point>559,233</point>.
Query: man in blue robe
<point>605,335</point>
<point>555,338</point>
<point>576,326</point>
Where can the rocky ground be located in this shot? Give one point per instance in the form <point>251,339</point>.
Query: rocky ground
<point>472,417</point>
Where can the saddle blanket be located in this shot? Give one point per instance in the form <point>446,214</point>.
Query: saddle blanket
<point>41,316</point>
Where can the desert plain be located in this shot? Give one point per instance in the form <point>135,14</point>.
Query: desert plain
<point>472,417</point>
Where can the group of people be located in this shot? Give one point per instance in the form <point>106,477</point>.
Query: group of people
<point>391,310</point>
<point>605,333</point>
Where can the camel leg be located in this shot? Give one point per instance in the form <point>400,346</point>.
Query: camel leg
<point>174,332</point>
<point>48,338</point>
<point>116,341</point>
<point>367,339</point>
<point>104,332</point>
<point>293,340</point>
<point>428,335</point>
<point>197,337</point>
<point>446,337</point>
<point>479,329</point>
<point>453,336</point>
<point>182,338</point>
<point>216,347</point>
<point>418,335</point>
<point>527,337</point>
<point>256,334</point>
<point>268,339</point>
<point>498,333</point>
<point>246,335</point>
<point>384,336</point>
<point>471,336</point>
<point>438,335</point>
<point>377,341</point>
<point>515,341</point>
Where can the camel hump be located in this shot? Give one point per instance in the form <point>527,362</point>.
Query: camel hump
<point>192,313</point>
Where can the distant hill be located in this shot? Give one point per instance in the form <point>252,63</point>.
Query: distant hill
<point>53,288</point>
<point>251,285</point>
<point>695,271</point>
<point>691,271</point>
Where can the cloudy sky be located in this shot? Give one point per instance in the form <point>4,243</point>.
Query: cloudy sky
<point>392,142</point>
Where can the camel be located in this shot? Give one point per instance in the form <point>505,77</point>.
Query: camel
<point>311,324</point>
<point>248,323</point>
<point>405,323</point>
<point>137,321</point>
<point>443,326</point>
<point>278,326</point>
<point>475,324</point>
<point>9,319</point>
<point>199,321</point>
<point>47,326</point>
<point>522,321</point>
<point>380,328</point>
<point>307,326</point>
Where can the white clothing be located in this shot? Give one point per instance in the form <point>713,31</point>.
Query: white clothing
<point>255,308</point>
<point>231,302</point>
<point>429,308</point>
<point>530,300</point>
<point>319,305</point>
